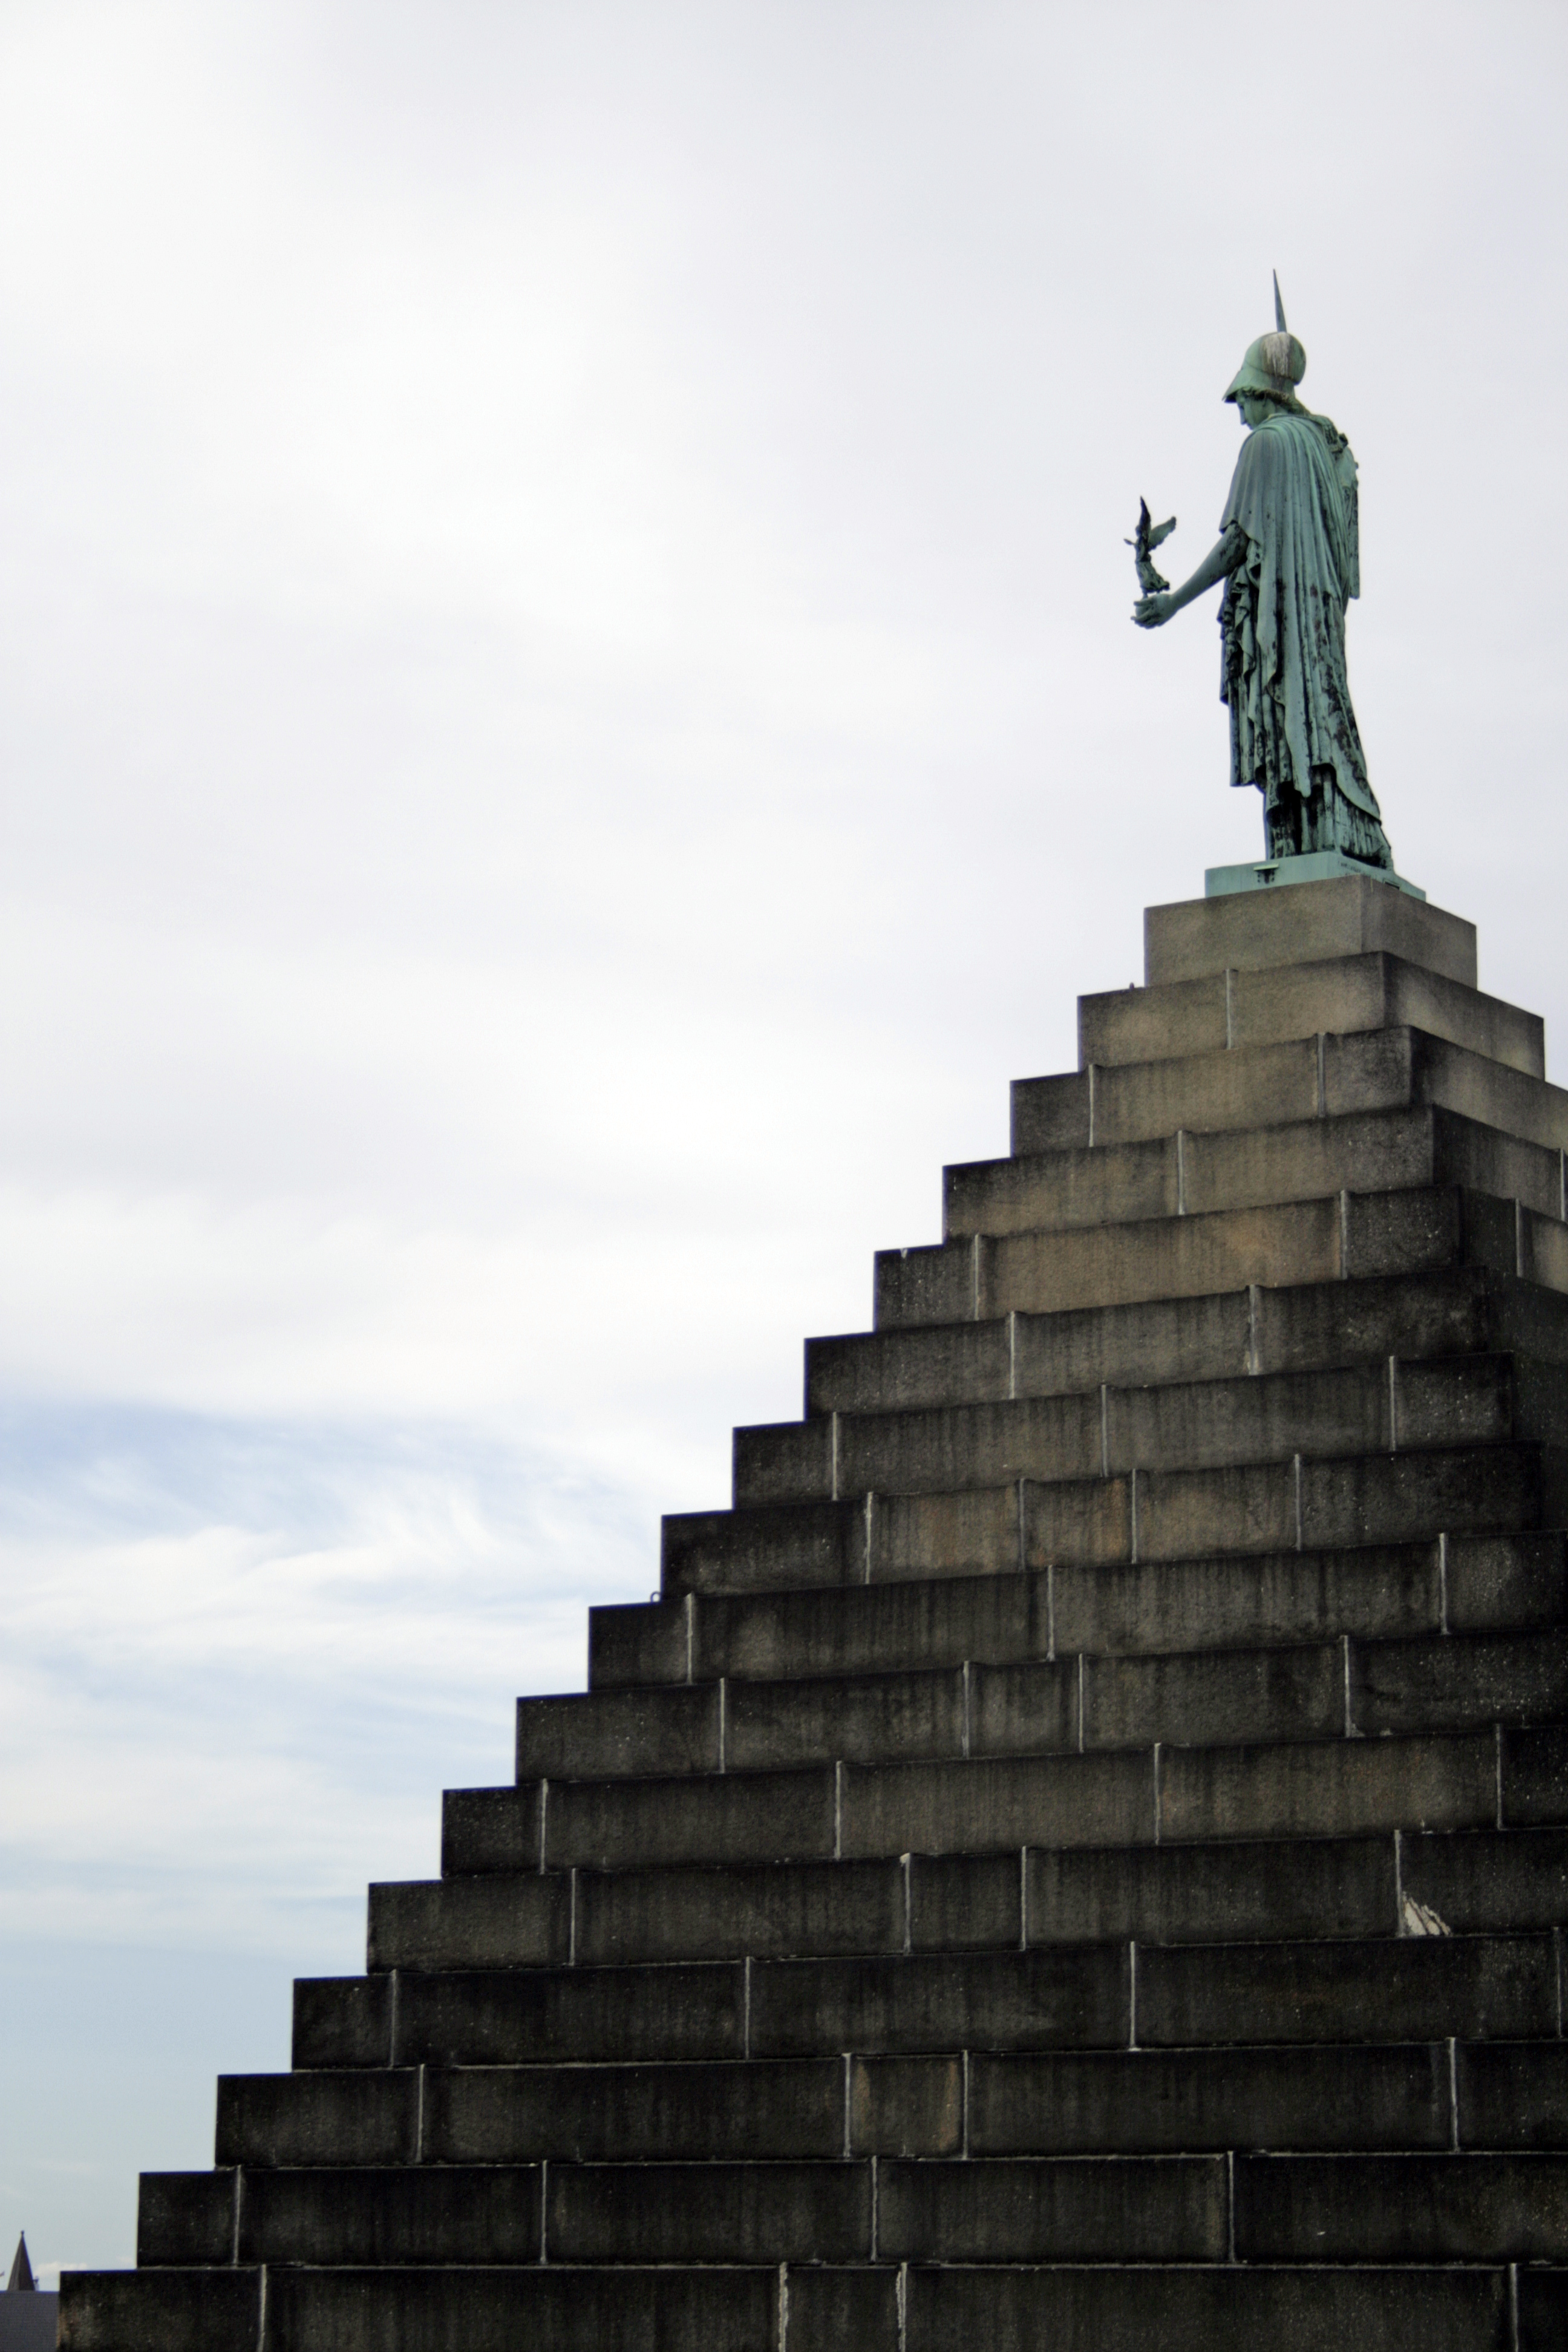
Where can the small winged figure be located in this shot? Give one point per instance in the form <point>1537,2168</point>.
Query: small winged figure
<point>1148,539</point>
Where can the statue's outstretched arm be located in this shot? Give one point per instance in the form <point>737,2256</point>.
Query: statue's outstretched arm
<point>1153,612</point>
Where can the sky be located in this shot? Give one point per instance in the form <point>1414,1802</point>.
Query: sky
<point>568,720</point>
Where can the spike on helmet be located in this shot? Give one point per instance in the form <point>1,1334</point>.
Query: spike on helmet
<point>1275,363</point>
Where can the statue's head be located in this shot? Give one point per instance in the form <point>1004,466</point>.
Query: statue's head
<point>1274,364</point>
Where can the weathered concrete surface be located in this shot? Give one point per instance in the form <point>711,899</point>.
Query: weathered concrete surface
<point>1080,1856</point>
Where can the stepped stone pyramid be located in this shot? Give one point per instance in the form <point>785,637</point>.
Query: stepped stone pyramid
<point>1074,1860</point>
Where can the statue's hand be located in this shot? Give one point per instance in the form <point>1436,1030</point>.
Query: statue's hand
<point>1152,612</point>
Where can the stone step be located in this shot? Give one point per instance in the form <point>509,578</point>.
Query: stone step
<point>1399,1404</point>
<point>885,2308</point>
<point>1479,1779</point>
<point>1456,1310</point>
<point>1252,1088</point>
<point>1409,2096</point>
<point>1323,1690</point>
<point>1458,1584</point>
<point>1340,996</point>
<point>1159,2208</point>
<point>1262,930</point>
<point>1183,1174</point>
<point>1422,2204</point>
<point>1496,1988</point>
<point>1302,1504</point>
<point>1402,1883</point>
<point>1339,1237</point>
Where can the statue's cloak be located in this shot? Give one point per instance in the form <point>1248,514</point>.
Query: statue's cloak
<point>1292,728</point>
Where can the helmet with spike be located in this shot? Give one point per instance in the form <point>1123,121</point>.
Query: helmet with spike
<point>1274,364</point>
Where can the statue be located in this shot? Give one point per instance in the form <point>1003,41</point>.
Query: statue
<point>1289,554</point>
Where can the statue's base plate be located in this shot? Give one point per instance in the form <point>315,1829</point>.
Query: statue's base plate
<point>1317,866</point>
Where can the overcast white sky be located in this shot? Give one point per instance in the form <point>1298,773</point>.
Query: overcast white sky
<point>570,719</point>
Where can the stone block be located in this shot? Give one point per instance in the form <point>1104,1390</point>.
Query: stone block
<point>1540,2310</point>
<point>1511,2094</point>
<point>1258,930</point>
<point>908,2106</point>
<point>771,1910</point>
<point>720,1817</point>
<point>1225,1697</point>
<point>1077,1523</point>
<point>1136,2209</point>
<point>1455,1080</point>
<point>323,2117</point>
<point>945,1284</point>
<point>610,1735</point>
<point>785,1462</point>
<point>1397,2208</point>
<point>186,2219</point>
<point>1071,1999</point>
<point>1126,1609</point>
<point>1532,1772</point>
<point>160,2311</point>
<point>1201,1339</point>
<point>1456,1681</point>
<point>935,1622</point>
<point>1503,1580</point>
<point>1124,2102</point>
<point>511,2017</point>
<point>990,1802</point>
<point>975,1533</point>
<point>341,2021</point>
<point>730,2113</point>
<point>1478,1879</point>
<point>965,1902</point>
<point>1456,1310</point>
<point>1212,1894</point>
<point>500,1920</point>
<point>822,1543</point>
<point>858,1716</point>
<point>709,2214</point>
<point>1062,1191</point>
<point>552,2308</point>
<point>1267,1417</point>
<point>1023,1710</point>
<point>424,2213</point>
<point>861,1371</point>
<point>493,1829</point>
<point>637,1641</point>
<point>1397,1498</point>
<point>1344,1788</point>
<point>823,2308</point>
<point>1194,2308</point>
<point>1416,1989</point>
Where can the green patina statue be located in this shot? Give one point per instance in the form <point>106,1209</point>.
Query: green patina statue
<point>1289,554</point>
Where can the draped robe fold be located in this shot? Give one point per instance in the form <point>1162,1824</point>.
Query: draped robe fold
<point>1292,728</point>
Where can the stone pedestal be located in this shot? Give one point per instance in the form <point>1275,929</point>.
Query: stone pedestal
<point>1077,1853</point>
